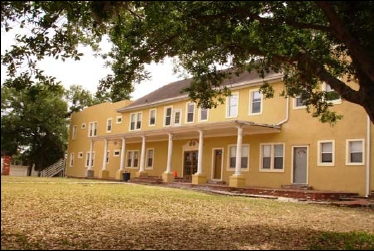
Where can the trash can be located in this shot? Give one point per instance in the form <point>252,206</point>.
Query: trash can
<point>126,176</point>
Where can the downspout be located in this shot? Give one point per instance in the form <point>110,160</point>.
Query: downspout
<point>287,112</point>
<point>368,157</point>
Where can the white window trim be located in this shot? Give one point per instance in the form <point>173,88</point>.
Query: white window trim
<point>114,153</point>
<point>194,111</point>
<point>74,132</point>
<point>80,154</point>
<point>180,117</point>
<point>90,127</point>
<point>228,105</point>
<point>132,159</point>
<point>337,101</point>
<point>146,159</point>
<point>119,118</point>
<point>319,153</point>
<point>271,169</point>
<point>83,126</point>
<point>294,106</point>
<point>93,159</point>
<point>207,115</point>
<point>107,156</point>
<point>149,117</point>
<point>347,151</point>
<point>171,116</point>
<point>228,168</point>
<point>71,163</point>
<point>136,121</point>
<point>107,125</point>
<point>251,102</point>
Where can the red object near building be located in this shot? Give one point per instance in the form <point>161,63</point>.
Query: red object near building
<point>5,165</point>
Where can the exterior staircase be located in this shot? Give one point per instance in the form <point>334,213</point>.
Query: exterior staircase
<point>147,180</point>
<point>56,169</point>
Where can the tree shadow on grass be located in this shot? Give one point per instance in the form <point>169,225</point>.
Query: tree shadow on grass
<point>192,235</point>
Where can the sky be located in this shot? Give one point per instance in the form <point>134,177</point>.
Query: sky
<point>89,70</point>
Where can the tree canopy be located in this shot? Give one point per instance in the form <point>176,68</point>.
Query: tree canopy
<point>308,41</point>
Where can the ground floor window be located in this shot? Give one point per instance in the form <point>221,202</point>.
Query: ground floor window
<point>272,156</point>
<point>88,158</point>
<point>150,154</point>
<point>355,151</point>
<point>132,158</point>
<point>244,159</point>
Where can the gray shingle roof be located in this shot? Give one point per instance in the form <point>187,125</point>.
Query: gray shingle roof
<point>173,90</point>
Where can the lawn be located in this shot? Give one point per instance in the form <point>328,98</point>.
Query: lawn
<point>80,214</point>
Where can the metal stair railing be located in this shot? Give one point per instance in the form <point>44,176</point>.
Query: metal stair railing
<point>54,169</point>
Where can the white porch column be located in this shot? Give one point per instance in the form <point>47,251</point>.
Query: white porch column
<point>105,153</point>
<point>238,162</point>
<point>142,156</point>
<point>170,153</point>
<point>200,153</point>
<point>122,161</point>
<point>90,157</point>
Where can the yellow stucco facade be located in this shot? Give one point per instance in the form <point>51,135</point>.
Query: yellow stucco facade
<point>280,143</point>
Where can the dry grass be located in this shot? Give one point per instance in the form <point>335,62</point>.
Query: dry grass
<point>72,214</point>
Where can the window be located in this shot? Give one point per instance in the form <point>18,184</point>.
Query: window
<point>355,152</point>
<point>119,119</point>
<point>190,112</point>
<point>152,117</point>
<point>83,126</point>
<point>88,158</point>
<point>326,151</point>
<point>244,159</point>
<point>92,129</point>
<point>74,133</point>
<point>272,157</point>
<point>298,102</point>
<point>256,102</point>
<point>116,153</point>
<point>177,117</point>
<point>135,121</point>
<point>232,105</point>
<point>109,125</point>
<point>331,94</point>
<point>80,154</point>
<point>167,111</point>
<point>132,158</point>
<point>203,115</point>
<point>71,159</point>
<point>149,158</point>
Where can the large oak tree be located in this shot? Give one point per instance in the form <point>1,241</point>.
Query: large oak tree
<point>309,42</point>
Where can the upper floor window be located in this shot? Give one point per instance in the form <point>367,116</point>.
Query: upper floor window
<point>80,154</point>
<point>177,117</point>
<point>326,151</point>
<point>255,102</point>
<point>135,121</point>
<point>168,116</point>
<point>83,126</point>
<point>232,105</point>
<point>109,125</point>
<point>152,117</point>
<point>119,119</point>
<point>74,133</point>
<point>355,152</point>
<point>116,153</point>
<point>244,159</point>
<point>190,112</point>
<point>92,129</point>
<point>331,94</point>
<point>203,115</point>
<point>272,157</point>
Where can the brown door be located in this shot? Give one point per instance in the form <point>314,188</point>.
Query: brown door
<point>189,163</point>
<point>217,164</point>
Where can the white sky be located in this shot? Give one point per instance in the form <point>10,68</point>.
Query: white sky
<point>89,70</point>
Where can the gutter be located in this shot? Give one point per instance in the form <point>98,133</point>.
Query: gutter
<point>368,157</point>
<point>287,112</point>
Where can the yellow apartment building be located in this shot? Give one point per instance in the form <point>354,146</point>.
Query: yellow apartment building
<point>248,141</point>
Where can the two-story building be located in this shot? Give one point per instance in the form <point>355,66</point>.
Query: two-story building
<point>248,141</point>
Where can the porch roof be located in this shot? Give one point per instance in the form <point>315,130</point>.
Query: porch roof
<point>214,129</point>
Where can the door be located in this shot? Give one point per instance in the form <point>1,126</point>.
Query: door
<point>189,163</point>
<point>300,162</point>
<point>217,164</point>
